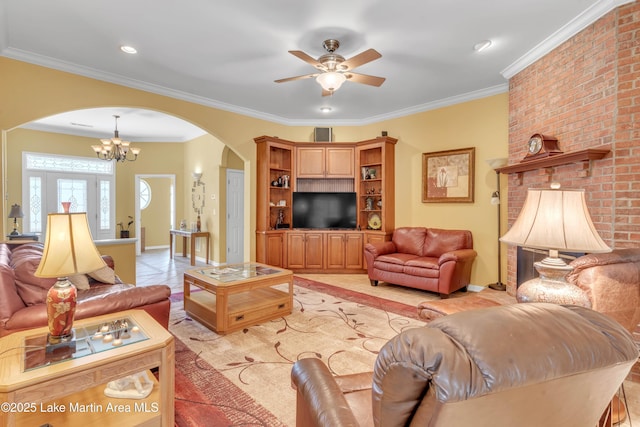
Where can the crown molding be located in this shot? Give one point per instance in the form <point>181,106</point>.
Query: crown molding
<point>573,27</point>
<point>49,62</point>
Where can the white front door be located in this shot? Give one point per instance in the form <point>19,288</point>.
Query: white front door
<point>84,194</point>
<point>235,216</point>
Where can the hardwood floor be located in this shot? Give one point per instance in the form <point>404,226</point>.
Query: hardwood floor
<point>156,267</point>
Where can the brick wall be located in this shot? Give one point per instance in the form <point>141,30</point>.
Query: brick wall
<point>586,93</point>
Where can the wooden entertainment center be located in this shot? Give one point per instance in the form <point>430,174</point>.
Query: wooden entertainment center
<point>283,167</point>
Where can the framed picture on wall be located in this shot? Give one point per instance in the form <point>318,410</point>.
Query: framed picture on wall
<point>448,176</point>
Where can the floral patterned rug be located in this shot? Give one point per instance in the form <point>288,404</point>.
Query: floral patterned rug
<point>243,378</point>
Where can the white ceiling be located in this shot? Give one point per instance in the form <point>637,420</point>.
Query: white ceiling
<point>227,54</point>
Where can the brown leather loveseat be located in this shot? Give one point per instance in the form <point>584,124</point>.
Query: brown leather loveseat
<point>22,295</point>
<point>525,365</point>
<point>431,259</point>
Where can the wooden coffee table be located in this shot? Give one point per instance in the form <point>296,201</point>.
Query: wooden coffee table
<point>63,389</point>
<point>231,297</point>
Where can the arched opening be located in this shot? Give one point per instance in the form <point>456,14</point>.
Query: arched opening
<point>162,155</point>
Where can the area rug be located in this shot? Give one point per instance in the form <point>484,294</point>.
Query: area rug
<point>243,378</point>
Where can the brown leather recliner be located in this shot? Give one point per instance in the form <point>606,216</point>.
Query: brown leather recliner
<point>525,365</point>
<point>430,259</point>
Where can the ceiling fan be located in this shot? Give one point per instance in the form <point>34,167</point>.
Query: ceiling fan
<point>335,70</point>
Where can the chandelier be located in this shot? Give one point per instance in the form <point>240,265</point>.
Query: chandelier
<point>115,148</point>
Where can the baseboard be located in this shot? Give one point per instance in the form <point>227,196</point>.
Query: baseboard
<point>475,288</point>
<point>156,247</point>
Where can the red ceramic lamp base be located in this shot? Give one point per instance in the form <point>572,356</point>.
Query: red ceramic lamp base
<point>61,308</point>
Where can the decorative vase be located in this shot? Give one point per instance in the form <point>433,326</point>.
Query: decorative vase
<point>198,224</point>
<point>369,203</point>
<point>61,308</point>
<point>124,234</point>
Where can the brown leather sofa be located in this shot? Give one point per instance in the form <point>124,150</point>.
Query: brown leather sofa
<point>431,259</point>
<point>22,295</point>
<point>525,365</point>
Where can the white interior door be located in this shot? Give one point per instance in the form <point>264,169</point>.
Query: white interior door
<point>235,216</point>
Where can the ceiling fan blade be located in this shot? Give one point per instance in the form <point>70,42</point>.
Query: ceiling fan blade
<point>365,79</point>
<point>290,79</point>
<point>306,58</point>
<point>360,59</point>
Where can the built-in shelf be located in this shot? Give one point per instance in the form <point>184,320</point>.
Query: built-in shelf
<point>585,156</point>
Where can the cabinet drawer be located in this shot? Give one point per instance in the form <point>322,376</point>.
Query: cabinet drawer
<point>244,310</point>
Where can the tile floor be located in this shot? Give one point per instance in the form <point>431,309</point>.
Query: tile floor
<point>156,267</point>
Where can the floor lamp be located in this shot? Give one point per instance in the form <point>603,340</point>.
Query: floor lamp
<point>495,200</point>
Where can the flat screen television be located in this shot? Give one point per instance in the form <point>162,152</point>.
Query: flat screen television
<point>324,210</point>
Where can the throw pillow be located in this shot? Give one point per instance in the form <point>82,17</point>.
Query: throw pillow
<point>80,281</point>
<point>104,275</point>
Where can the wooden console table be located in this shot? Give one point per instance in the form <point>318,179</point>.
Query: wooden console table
<point>71,391</point>
<point>192,235</point>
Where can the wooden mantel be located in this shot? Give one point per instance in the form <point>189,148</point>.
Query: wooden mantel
<point>585,156</point>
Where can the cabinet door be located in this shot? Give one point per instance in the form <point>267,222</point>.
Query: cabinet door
<point>339,162</point>
<point>353,250</point>
<point>275,250</point>
<point>335,250</point>
<point>313,250</point>
<point>295,250</point>
<point>310,162</point>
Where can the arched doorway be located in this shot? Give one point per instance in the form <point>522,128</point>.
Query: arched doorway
<point>159,159</point>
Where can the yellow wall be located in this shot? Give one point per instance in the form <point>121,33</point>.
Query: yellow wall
<point>36,92</point>
<point>161,158</point>
<point>124,255</point>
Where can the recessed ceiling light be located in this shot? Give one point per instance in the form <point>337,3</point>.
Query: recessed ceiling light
<point>325,109</point>
<point>128,49</point>
<point>484,44</point>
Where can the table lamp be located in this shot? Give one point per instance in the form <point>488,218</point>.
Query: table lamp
<point>68,249</point>
<point>554,220</point>
<point>15,213</point>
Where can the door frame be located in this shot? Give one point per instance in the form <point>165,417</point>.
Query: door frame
<point>138,177</point>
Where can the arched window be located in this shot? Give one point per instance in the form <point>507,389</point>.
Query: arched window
<point>145,194</point>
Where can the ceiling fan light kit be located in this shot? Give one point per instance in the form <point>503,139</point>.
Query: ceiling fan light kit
<point>331,81</point>
<point>335,70</point>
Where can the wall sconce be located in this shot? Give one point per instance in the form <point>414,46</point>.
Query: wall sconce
<point>196,176</point>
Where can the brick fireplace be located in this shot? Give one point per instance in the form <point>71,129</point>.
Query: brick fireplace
<point>586,93</point>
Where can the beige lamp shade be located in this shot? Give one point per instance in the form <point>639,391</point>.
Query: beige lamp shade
<point>68,247</point>
<point>557,220</point>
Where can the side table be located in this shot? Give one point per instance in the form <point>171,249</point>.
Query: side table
<point>71,391</point>
<point>192,235</point>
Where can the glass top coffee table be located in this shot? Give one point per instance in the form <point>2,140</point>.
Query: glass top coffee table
<point>230,297</point>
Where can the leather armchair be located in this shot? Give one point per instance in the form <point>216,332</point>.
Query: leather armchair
<point>528,365</point>
<point>612,283</point>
